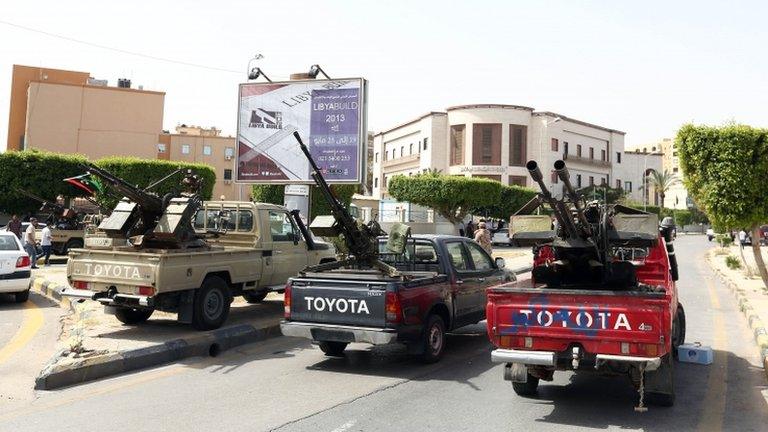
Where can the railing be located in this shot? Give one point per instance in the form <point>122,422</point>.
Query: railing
<point>401,160</point>
<point>586,160</point>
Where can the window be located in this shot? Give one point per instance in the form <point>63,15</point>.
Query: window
<point>8,243</point>
<point>517,144</point>
<point>376,182</point>
<point>517,180</point>
<point>603,181</point>
<point>591,152</point>
<point>207,150</point>
<point>602,155</point>
<point>578,150</point>
<point>486,144</point>
<point>281,227</point>
<point>628,186</point>
<point>591,180</point>
<point>565,147</point>
<point>229,219</point>
<point>578,181</point>
<point>410,149</point>
<point>244,221</point>
<point>479,257</point>
<point>618,184</point>
<point>554,145</point>
<point>457,144</point>
<point>674,153</point>
<point>185,149</point>
<point>376,157</point>
<point>227,174</point>
<point>618,157</point>
<point>675,169</point>
<point>161,148</point>
<point>402,151</point>
<point>229,152</point>
<point>457,254</point>
<point>425,143</point>
<point>384,181</point>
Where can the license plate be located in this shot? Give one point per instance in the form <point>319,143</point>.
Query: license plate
<point>332,335</point>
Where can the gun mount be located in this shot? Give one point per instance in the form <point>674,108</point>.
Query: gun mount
<point>583,236</point>
<point>59,216</point>
<point>147,220</point>
<point>361,240</point>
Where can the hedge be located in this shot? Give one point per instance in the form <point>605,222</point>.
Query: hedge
<point>42,173</point>
<point>275,194</point>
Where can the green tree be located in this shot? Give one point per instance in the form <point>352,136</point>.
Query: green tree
<point>510,200</point>
<point>450,196</point>
<point>275,194</point>
<point>603,193</point>
<point>725,172</point>
<point>661,183</point>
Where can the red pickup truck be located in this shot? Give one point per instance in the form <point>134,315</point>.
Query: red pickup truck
<point>539,329</point>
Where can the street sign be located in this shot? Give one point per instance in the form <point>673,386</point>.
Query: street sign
<point>297,189</point>
<point>330,116</point>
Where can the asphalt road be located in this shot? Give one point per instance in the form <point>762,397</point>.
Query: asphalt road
<point>286,384</point>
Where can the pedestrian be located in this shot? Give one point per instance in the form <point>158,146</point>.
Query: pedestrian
<point>483,237</point>
<point>14,226</point>
<point>45,243</point>
<point>470,229</point>
<point>742,237</point>
<point>30,244</point>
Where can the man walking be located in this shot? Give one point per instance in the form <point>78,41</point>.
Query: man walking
<point>14,226</point>
<point>45,243</point>
<point>30,243</point>
<point>483,237</point>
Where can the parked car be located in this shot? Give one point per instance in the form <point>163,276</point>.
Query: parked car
<point>15,267</point>
<point>501,237</point>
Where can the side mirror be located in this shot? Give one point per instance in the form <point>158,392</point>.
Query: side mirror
<point>500,263</point>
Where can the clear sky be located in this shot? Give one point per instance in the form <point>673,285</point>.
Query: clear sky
<point>644,67</point>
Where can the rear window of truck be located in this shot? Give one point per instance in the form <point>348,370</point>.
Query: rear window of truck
<point>420,252</point>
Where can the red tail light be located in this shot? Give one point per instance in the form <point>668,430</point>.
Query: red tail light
<point>80,285</point>
<point>393,308</point>
<point>146,291</point>
<point>287,301</point>
<point>23,261</point>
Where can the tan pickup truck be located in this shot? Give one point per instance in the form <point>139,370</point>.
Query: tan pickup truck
<point>259,248</point>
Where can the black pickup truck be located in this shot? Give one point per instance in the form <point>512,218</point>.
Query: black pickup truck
<point>442,288</point>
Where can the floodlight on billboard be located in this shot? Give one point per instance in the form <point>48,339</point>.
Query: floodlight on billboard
<point>330,115</point>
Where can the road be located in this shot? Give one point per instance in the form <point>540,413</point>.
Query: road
<point>287,385</point>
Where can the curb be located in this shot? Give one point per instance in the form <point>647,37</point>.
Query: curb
<point>50,290</point>
<point>209,344</point>
<point>755,323</point>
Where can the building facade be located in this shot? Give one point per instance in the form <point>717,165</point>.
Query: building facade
<point>496,141</point>
<point>677,196</point>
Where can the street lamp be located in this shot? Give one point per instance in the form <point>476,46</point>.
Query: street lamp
<point>254,73</point>
<point>315,70</point>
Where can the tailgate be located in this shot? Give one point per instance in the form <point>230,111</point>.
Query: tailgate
<point>553,319</point>
<point>106,268</point>
<point>339,302</point>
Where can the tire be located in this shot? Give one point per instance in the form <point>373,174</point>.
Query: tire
<point>678,330</point>
<point>333,349</point>
<point>254,296</point>
<point>71,244</point>
<point>527,388</point>
<point>131,316</point>
<point>21,297</point>
<point>433,340</point>
<point>211,307</point>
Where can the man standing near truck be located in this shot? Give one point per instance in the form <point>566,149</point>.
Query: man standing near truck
<point>30,243</point>
<point>14,226</point>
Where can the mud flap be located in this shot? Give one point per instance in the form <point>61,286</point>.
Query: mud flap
<point>659,384</point>
<point>516,372</point>
<point>186,303</point>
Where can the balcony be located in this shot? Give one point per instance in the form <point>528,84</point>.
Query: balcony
<point>405,160</point>
<point>585,160</point>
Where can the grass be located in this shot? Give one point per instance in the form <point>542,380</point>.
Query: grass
<point>732,262</point>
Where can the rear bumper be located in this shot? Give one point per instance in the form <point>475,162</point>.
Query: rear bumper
<point>548,358</point>
<point>339,333</point>
<point>128,300</point>
<point>15,282</point>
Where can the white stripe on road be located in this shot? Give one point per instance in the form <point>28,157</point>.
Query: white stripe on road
<point>345,426</point>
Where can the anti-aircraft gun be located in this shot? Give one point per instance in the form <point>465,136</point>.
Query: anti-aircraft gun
<point>59,216</point>
<point>584,238</point>
<point>361,240</point>
<point>148,220</point>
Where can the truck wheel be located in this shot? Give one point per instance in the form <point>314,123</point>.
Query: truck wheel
<point>678,330</point>
<point>333,349</point>
<point>255,296</point>
<point>211,306</point>
<point>72,244</point>
<point>132,316</point>
<point>433,340</point>
<point>21,297</point>
<point>527,388</point>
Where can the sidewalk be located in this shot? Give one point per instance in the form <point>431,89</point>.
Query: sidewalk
<point>750,292</point>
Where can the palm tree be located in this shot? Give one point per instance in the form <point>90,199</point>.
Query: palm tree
<point>661,182</point>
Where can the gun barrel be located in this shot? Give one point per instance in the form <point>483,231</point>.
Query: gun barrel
<point>565,177</point>
<point>150,203</point>
<point>558,209</point>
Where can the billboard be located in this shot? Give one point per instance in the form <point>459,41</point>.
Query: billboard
<point>330,116</point>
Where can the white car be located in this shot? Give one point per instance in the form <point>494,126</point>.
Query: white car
<point>501,237</point>
<point>15,267</point>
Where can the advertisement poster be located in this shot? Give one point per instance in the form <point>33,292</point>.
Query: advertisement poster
<point>328,114</point>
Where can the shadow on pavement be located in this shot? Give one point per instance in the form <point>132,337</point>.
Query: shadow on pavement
<point>608,402</point>
<point>7,302</point>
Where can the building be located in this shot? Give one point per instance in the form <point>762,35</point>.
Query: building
<point>677,196</point>
<point>70,112</point>
<point>495,142</point>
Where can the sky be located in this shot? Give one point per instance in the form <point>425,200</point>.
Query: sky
<point>642,67</point>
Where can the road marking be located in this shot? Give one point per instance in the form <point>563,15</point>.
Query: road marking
<point>345,426</point>
<point>717,385</point>
<point>33,320</point>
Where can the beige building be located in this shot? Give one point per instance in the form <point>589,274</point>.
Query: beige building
<point>70,112</point>
<point>677,196</point>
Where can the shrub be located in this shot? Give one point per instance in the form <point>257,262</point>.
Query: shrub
<point>724,240</point>
<point>275,194</point>
<point>732,262</point>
